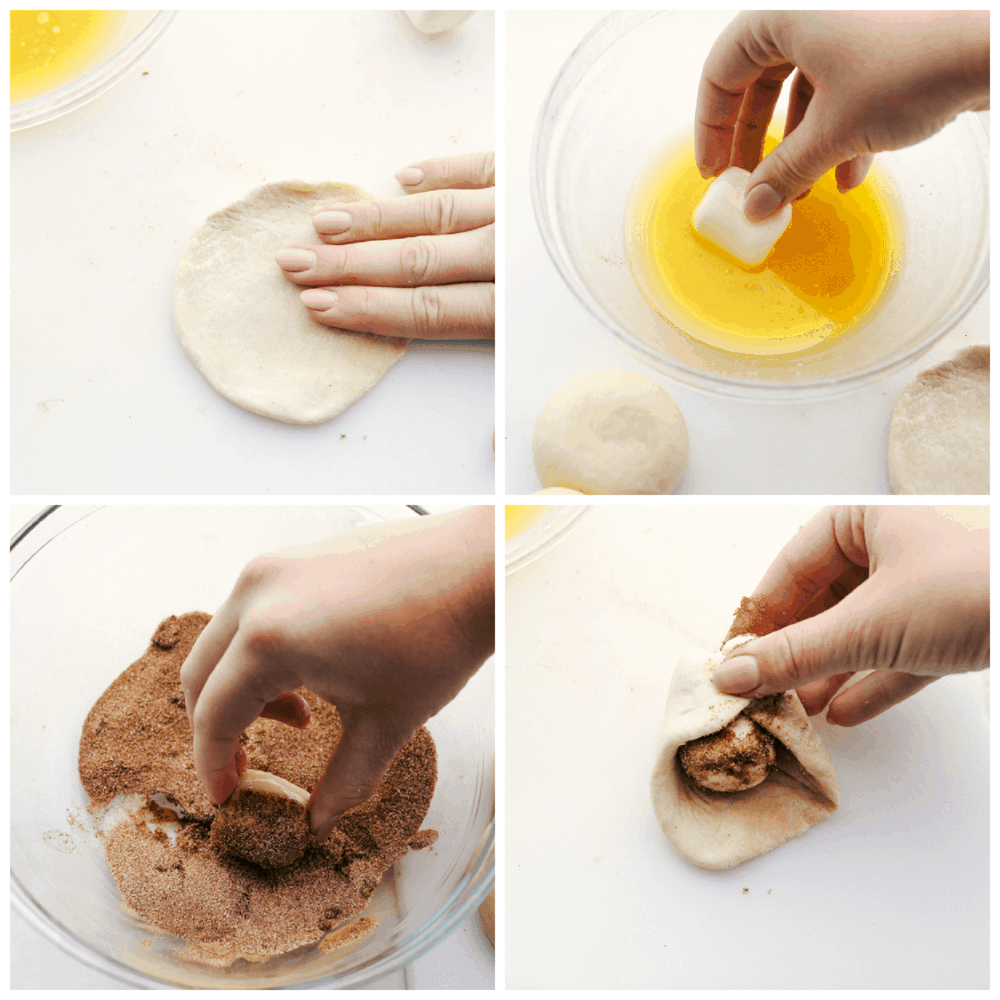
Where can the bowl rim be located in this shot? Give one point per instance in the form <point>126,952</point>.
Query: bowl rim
<point>596,43</point>
<point>83,89</point>
<point>544,534</point>
<point>412,946</point>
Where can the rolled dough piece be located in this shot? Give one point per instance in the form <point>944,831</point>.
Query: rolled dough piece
<point>611,432</point>
<point>723,829</point>
<point>243,324</point>
<point>558,490</point>
<point>939,437</point>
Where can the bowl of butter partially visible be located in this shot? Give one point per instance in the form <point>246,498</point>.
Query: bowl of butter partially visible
<point>62,59</point>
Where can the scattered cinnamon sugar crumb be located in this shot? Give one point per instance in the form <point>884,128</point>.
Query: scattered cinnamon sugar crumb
<point>349,934</point>
<point>136,739</point>
<point>425,838</point>
<point>754,617</point>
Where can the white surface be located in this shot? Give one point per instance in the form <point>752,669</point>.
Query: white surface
<point>463,960</point>
<point>891,892</point>
<point>837,446</point>
<point>105,199</point>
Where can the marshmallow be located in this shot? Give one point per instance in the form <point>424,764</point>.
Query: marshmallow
<point>720,218</point>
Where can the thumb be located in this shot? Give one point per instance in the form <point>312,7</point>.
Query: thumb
<point>842,640</point>
<point>792,167</point>
<point>356,768</point>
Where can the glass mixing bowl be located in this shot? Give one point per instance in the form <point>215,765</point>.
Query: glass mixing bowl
<point>137,33</point>
<point>88,587</point>
<point>627,94</point>
<point>550,529</point>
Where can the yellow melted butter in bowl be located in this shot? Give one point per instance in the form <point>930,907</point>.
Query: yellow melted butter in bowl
<point>826,274</point>
<point>49,48</point>
<point>519,517</point>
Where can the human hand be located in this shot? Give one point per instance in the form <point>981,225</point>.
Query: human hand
<point>867,81</point>
<point>387,623</point>
<point>922,611</point>
<point>417,266</point>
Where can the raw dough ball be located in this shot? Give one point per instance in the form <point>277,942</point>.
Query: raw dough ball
<point>939,438</point>
<point>242,321</point>
<point>611,432</point>
<point>266,821</point>
<point>561,490</point>
<point>719,217</point>
<point>737,757</point>
<point>430,22</point>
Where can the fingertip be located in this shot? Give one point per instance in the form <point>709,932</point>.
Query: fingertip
<point>323,830</point>
<point>225,785</point>
<point>410,176</point>
<point>762,202</point>
<point>851,173</point>
<point>739,675</point>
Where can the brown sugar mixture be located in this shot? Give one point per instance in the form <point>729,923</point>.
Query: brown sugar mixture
<point>137,740</point>
<point>270,830</point>
<point>741,754</point>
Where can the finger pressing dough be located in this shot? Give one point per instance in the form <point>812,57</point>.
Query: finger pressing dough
<point>243,324</point>
<point>611,432</point>
<point>939,437</point>
<point>720,829</point>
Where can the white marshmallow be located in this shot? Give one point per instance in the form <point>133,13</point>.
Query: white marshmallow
<point>720,218</point>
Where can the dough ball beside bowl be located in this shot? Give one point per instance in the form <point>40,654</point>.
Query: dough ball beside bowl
<point>611,432</point>
<point>939,437</point>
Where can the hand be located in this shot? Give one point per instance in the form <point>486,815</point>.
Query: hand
<point>387,623</point>
<point>867,81</point>
<point>417,266</point>
<point>902,591</point>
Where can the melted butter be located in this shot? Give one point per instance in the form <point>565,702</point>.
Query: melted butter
<point>826,273</point>
<point>49,48</point>
<point>518,518</point>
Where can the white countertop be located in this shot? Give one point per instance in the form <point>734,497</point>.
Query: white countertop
<point>104,200</point>
<point>890,892</point>
<point>831,447</point>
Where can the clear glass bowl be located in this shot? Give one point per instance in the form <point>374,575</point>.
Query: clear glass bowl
<point>88,587</point>
<point>139,31</point>
<point>626,94</point>
<point>550,529</point>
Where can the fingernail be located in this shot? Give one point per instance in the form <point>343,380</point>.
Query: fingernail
<point>761,202</point>
<point>738,675</point>
<point>294,259</point>
<point>332,223</point>
<point>326,828</point>
<point>409,176</point>
<point>318,298</point>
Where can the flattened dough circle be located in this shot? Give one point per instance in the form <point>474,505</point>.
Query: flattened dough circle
<point>243,324</point>
<point>939,437</point>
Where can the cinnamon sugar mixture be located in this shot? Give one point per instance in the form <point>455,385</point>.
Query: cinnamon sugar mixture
<point>136,739</point>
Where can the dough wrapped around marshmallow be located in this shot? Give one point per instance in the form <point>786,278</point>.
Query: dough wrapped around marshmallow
<point>720,829</point>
